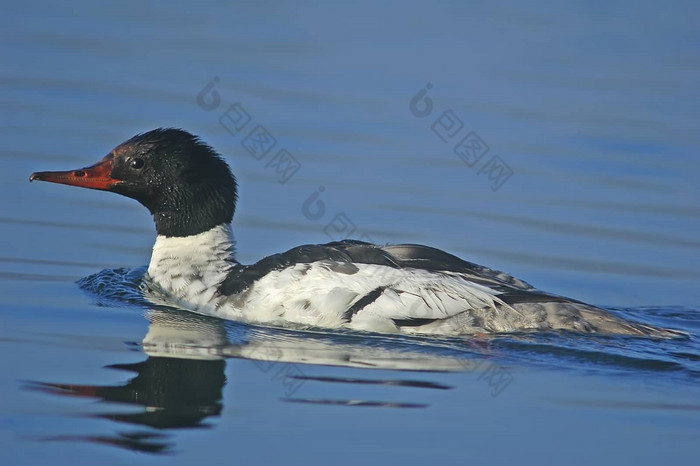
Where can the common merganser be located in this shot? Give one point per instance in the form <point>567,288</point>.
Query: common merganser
<point>191,193</point>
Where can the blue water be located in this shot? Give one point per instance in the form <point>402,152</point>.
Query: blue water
<point>556,142</point>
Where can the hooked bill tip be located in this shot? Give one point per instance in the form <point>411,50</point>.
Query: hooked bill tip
<point>34,176</point>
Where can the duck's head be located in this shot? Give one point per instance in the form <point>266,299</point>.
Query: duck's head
<point>182,181</point>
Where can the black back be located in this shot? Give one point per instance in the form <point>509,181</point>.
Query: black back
<point>340,256</point>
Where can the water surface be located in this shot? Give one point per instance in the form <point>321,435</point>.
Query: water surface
<point>591,111</point>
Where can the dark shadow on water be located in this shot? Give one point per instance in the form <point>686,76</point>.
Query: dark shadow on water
<point>396,383</point>
<point>176,392</point>
<point>357,403</point>
<point>144,442</point>
<point>171,394</point>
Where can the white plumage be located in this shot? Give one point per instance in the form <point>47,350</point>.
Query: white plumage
<point>327,293</point>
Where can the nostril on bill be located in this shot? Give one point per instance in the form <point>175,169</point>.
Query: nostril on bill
<point>80,173</point>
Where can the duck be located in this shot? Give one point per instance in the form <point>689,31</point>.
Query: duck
<point>191,192</point>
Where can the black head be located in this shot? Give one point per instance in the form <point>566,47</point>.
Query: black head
<point>182,181</point>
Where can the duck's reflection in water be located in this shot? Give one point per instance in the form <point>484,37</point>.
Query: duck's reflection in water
<point>179,385</point>
<point>181,382</point>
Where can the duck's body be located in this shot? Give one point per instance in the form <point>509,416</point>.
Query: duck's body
<point>352,284</point>
<point>347,284</point>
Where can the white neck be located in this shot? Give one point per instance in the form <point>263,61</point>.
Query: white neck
<point>190,268</point>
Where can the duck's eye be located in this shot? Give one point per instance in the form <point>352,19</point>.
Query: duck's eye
<point>136,163</point>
